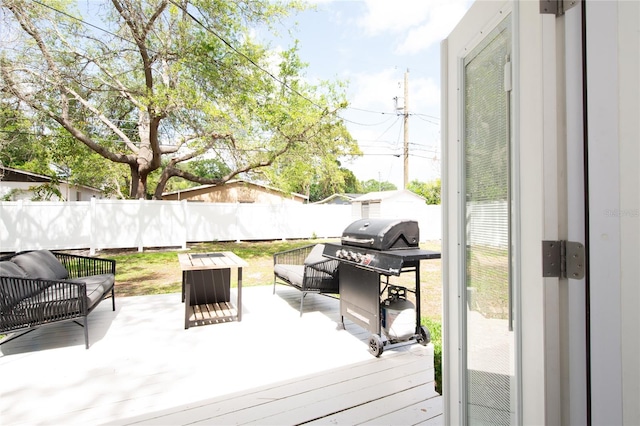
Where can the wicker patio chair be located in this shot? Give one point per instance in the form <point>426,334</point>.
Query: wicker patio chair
<point>307,270</point>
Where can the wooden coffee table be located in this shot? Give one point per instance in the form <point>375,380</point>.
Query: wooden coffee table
<point>206,287</point>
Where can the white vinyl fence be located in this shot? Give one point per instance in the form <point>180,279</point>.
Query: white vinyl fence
<point>109,224</point>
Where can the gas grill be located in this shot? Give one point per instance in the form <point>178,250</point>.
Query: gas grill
<point>370,252</point>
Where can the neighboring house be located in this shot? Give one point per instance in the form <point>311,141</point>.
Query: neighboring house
<point>236,191</point>
<point>338,199</point>
<point>387,204</point>
<point>541,214</point>
<point>21,185</point>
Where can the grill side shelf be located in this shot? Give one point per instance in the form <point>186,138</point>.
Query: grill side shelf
<point>389,269</point>
<point>388,262</point>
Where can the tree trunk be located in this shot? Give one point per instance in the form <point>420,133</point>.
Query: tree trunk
<point>162,183</point>
<point>135,180</point>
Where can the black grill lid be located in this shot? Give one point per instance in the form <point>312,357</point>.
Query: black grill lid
<point>382,234</point>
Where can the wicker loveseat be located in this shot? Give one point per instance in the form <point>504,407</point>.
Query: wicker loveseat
<point>307,270</point>
<point>41,287</point>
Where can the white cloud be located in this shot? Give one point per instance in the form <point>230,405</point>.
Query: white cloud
<point>377,91</point>
<point>394,16</point>
<point>440,23</point>
<point>381,136</point>
<point>425,93</point>
<point>424,22</point>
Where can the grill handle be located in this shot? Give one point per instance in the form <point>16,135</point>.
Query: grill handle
<point>358,240</point>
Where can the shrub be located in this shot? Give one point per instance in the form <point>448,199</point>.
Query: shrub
<point>435,328</point>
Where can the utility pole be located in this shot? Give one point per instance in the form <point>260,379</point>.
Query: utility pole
<point>406,129</point>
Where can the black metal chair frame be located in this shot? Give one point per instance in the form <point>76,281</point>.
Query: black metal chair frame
<point>61,300</point>
<point>319,278</point>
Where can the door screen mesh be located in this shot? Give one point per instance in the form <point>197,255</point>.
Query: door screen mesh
<point>489,341</point>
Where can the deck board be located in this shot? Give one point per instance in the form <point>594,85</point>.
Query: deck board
<point>273,367</point>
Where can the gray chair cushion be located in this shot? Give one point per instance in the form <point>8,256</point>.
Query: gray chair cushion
<point>105,280</point>
<point>41,264</point>
<point>293,274</point>
<point>315,256</point>
<point>13,291</point>
<point>316,260</point>
<point>94,293</point>
<point>10,269</point>
<point>97,285</point>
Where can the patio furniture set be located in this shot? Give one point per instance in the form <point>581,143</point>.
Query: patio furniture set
<point>42,287</point>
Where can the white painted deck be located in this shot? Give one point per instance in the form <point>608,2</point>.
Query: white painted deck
<point>274,367</point>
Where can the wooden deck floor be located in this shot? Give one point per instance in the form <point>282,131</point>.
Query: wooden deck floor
<point>274,367</point>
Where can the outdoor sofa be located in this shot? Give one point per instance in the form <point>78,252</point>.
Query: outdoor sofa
<point>42,287</point>
<point>307,270</point>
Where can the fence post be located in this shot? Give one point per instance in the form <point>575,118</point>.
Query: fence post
<point>280,215</point>
<point>237,231</point>
<point>185,224</point>
<point>20,216</point>
<point>140,224</point>
<point>92,224</point>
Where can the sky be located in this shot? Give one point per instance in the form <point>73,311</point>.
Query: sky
<point>371,45</point>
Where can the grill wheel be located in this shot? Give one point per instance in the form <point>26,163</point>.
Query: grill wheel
<point>425,336</point>
<point>375,345</point>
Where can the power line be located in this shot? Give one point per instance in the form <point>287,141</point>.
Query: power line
<point>426,115</point>
<point>366,124</point>
<point>429,120</point>
<point>196,20</point>
<point>411,114</point>
<point>62,12</point>
<point>251,61</point>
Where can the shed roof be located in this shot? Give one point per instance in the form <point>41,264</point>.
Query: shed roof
<point>386,195</point>
<point>347,198</point>
<point>15,175</point>
<point>236,182</point>
<point>8,174</point>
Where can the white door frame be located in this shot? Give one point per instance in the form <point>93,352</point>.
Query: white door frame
<point>479,21</point>
<point>604,201</point>
<point>548,154</point>
<point>547,172</point>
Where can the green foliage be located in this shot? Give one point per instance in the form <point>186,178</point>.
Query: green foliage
<point>58,155</point>
<point>312,168</point>
<point>46,191</point>
<point>429,190</point>
<point>168,84</point>
<point>373,185</point>
<point>208,169</point>
<point>435,328</point>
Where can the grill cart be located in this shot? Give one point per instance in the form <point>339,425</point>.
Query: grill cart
<point>370,252</point>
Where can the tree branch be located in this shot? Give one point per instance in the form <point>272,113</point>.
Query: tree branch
<point>30,29</point>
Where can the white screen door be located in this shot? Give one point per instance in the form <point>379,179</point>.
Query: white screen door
<point>513,339</point>
<point>488,327</point>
